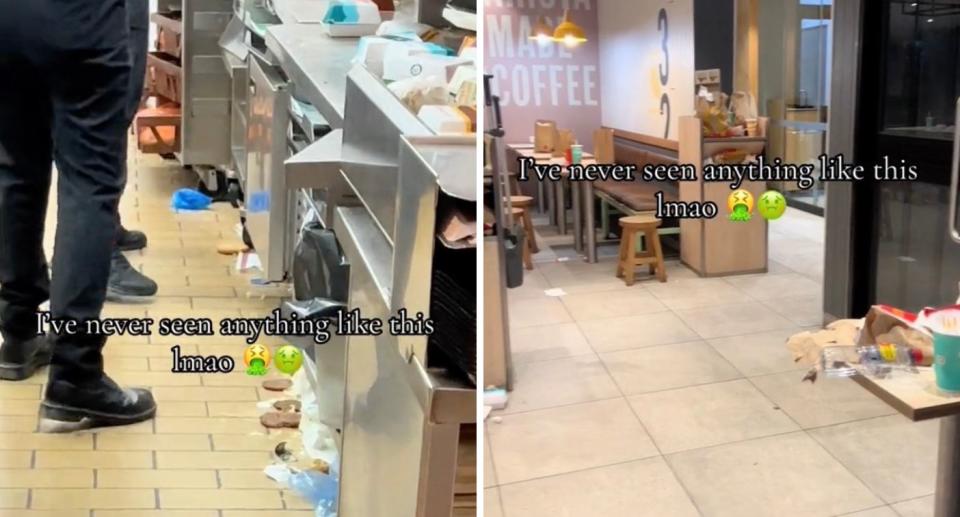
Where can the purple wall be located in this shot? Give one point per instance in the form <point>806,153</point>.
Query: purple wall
<point>537,81</point>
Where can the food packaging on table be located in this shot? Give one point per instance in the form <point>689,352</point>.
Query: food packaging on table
<point>371,50</point>
<point>445,119</point>
<point>416,64</point>
<point>416,92</point>
<point>352,18</point>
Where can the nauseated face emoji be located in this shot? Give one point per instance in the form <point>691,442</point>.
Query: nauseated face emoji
<point>771,205</point>
<point>740,205</point>
<point>257,358</point>
<point>288,359</point>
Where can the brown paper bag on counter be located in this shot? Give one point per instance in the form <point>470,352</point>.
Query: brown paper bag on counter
<point>806,346</point>
<point>544,136</point>
<point>564,140</point>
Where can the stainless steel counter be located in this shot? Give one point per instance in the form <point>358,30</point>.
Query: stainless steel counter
<point>300,11</point>
<point>316,65</point>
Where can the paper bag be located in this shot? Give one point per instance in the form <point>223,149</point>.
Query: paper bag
<point>544,136</point>
<point>564,140</point>
<point>603,149</point>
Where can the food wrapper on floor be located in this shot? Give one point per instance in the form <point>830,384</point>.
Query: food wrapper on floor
<point>806,346</point>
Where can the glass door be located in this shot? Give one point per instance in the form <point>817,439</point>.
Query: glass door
<point>910,84</point>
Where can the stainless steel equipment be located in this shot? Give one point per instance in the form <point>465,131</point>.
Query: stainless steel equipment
<point>205,103</point>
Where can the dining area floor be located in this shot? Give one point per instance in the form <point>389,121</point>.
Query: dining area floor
<point>681,399</point>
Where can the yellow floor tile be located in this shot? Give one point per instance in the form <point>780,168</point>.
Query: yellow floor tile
<point>212,460</point>
<point>34,478</point>
<point>255,513</point>
<point>153,442</point>
<point>53,513</point>
<point>18,407</point>
<point>233,409</point>
<point>130,478</point>
<point>17,498</point>
<point>223,498</point>
<point>18,424</point>
<point>246,479</point>
<point>196,291</point>
<point>15,459</point>
<point>169,408</point>
<point>292,501</point>
<point>125,364</point>
<point>204,393</point>
<point>157,513</point>
<point>238,377</point>
<point>143,350</point>
<point>9,391</point>
<point>206,425</point>
<point>267,304</point>
<point>139,428</point>
<point>249,442</point>
<point>71,498</point>
<point>30,441</point>
<point>154,379</point>
<point>93,459</point>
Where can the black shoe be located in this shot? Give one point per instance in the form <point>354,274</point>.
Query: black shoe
<point>19,359</point>
<point>125,281</point>
<point>131,240</point>
<point>69,407</point>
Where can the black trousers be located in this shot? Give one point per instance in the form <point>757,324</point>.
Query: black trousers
<point>138,22</point>
<point>66,76</point>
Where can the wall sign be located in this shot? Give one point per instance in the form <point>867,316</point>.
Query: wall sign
<point>646,60</point>
<point>543,81</point>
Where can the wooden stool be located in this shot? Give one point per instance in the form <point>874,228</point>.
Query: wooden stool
<point>652,254</point>
<point>519,215</point>
<point>526,203</point>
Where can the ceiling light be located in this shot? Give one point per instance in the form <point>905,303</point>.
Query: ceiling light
<point>568,32</point>
<point>542,33</point>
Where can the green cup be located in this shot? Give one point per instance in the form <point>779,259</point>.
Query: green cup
<point>946,361</point>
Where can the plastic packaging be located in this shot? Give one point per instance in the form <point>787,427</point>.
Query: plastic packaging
<point>189,199</point>
<point>318,489</point>
<point>873,360</point>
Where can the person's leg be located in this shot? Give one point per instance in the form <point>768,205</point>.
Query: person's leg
<point>125,281</point>
<point>89,80</point>
<point>25,170</point>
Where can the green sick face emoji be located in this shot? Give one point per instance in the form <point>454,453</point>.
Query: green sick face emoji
<point>288,359</point>
<point>256,357</point>
<point>772,205</point>
<point>740,204</point>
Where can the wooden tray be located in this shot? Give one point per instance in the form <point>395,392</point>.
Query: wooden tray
<point>158,130</point>
<point>164,76</point>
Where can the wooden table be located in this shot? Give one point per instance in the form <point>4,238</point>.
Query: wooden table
<point>915,396</point>
<point>583,216</point>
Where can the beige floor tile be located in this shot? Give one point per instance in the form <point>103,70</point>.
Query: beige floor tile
<point>208,393</point>
<point>733,318</point>
<point>13,498</point>
<point>805,311</point>
<point>53,513</point>
<point>560,382</point>
<point>223,498</point>
<point>93,459</point>
<point>138,428</point>
<point>206,425</point>
<point>920,507</point>
<point>547,342</point>
<point>246,479</point>
<point>212,460</point>
<point>687,293</point>
<point>251,442</point>
<point>292,501</point>
<point>491,503</point>
<point>758,354</point>
<point>155,379</point>
<point>552,441</point>
<point>62,442</point>
<point>238,377</point>
<point>533,286</point>
<point>538,312</point>
<point>18,424</point>
<point>15,459</point>
<point>12,407</point>
<point>155,513</point>
<point>895,473</point>
<point>826,402</point>
<point>611,304</point>
<point>273,513</point>
<point>125,364</point>
<point>636,331</point>
<point>882,511</point>
<point>711,414</point>
<point>9,391</point>
<point>143,350</point>
<point>645,488</point>
<point>578,277</point>
<point>778,475</point>
<point>233,409</point>
<point>196,290</point>
<point>141,478</point>
<point>169,408</point>
<point>154,442</point>
<point>70,498</point>
<point>774,287</point>
<point>665,367</point>
<point>489,470</point>
<point>35,478</point>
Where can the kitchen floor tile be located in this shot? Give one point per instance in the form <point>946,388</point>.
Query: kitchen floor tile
<point>825,402</point>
